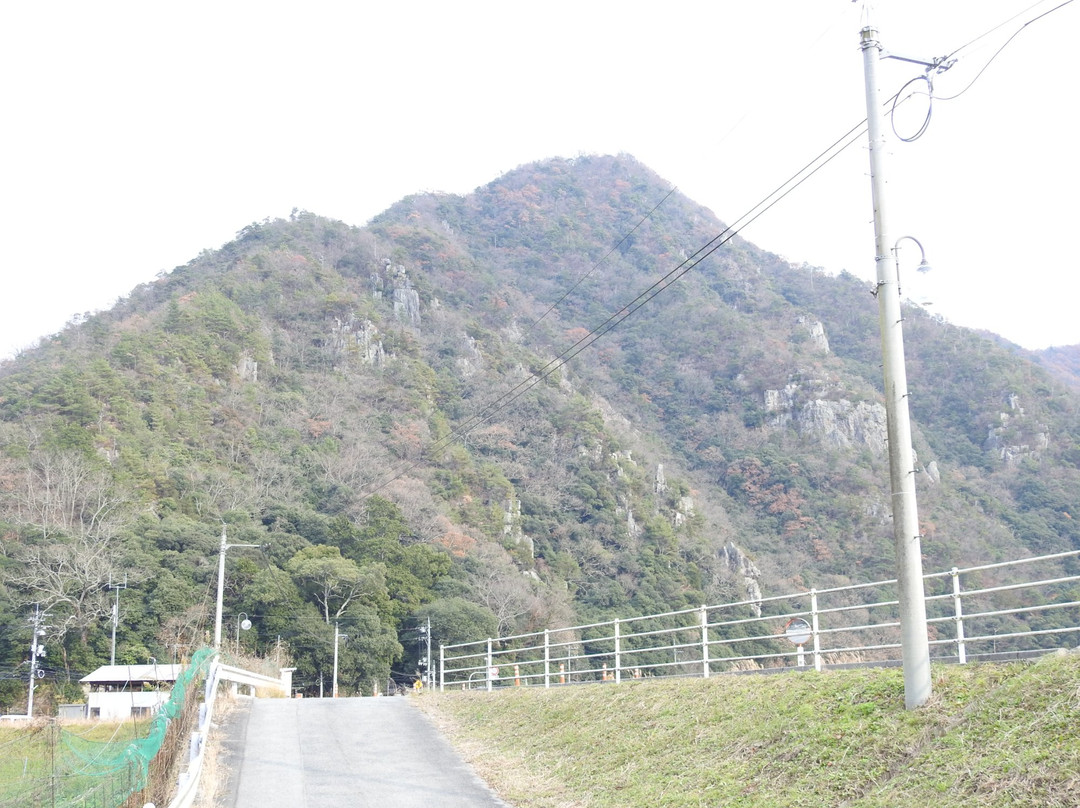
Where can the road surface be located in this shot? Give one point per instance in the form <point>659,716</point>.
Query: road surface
<point>325,753</point>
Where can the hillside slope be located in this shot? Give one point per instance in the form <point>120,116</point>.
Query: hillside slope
<point>414,420</point>
<point>1062,361</point>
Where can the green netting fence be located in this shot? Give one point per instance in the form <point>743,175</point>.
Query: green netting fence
<point>104,765</point>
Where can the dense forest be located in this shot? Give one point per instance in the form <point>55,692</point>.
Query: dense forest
<point>481,411</point>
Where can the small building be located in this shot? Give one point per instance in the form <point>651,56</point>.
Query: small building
<point>117,692</point>
<point>71,712</point>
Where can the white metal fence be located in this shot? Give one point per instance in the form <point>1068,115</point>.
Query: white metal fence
<point>995,611</point>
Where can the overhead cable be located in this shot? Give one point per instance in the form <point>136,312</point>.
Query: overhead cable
<point>1000,49</point>
<point>644,297</point>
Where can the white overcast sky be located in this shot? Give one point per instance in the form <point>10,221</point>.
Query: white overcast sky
<point>135,135</point>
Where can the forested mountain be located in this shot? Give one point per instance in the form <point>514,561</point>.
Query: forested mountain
<point>412,420</point>
<point>1063,362</point>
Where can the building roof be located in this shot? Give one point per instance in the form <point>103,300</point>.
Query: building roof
<point>122,674</point>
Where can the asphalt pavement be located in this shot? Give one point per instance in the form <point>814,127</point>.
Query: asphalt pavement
<point>324,753</point>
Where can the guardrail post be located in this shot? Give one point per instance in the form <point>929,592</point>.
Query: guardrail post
<point>442,667</point>
<point>618,654</point>
<point>704,642</point>
<point>488,676</point>
<point>814,629</point>
<point>961,648</point>
<point>547,658</point>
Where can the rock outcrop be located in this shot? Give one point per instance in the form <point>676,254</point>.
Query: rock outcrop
<point>835,422</point>
<point>745,572</point>
<point>841,424</point>
<point>355,335</point>
<point>1015,437</point>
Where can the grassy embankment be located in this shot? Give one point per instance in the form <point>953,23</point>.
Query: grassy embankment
<point>992,735</point>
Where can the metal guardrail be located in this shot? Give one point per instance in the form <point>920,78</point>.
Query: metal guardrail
<point>836,627</point>
<point>188,781</point>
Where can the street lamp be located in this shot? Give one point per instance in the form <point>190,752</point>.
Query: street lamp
<point>244,624</point>
<point>924,265</point>
<point>221,582</point>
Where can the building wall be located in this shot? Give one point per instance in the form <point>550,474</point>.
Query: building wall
<point>119,706</point>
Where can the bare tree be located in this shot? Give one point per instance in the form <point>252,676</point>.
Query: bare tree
<point>418,507</point>
<point>214,490</point>
<point>69,580</point>
<point>69,513</point>
<point>182,633</point>
<point>355,465</point>
<point>501,586</point>
<point>62,493</point>
<point>270,479</point>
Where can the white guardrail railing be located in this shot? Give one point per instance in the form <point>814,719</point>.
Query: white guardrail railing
<point>1002,616</point>
<point>188,782</point>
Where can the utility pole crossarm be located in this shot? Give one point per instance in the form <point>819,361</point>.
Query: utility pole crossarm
<point>938,64</point>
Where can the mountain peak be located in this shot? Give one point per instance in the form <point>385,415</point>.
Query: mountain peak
<point>463,408</point>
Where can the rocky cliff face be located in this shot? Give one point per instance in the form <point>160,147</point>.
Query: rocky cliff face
<point>359,336</point>
<point>745,572</point>
<point>835,423</point>
<point>392,280</point>
<point>817,333</point>
<point>407,304</point>
<point>843,424</point>
<point>1015,436</point>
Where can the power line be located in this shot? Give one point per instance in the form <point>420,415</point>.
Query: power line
<point>607,255</point>
<point>1004,45</point>
<point>658,286</point>
<point>1002,24</point>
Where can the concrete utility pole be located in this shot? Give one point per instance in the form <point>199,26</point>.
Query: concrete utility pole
<point>337,636</point>
<point>430,671</point>
<point>428,678</point>
<point>915,644</point>
<point>36,651</point>
<point>221,583</point>
<point>115,616</point>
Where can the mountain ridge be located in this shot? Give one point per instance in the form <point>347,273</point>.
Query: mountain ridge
<point>327,390</point>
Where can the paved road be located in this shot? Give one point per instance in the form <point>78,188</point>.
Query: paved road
<point>325,753</point>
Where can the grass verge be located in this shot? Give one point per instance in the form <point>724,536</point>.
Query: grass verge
<point>33,757</point>
<point>992,735</point>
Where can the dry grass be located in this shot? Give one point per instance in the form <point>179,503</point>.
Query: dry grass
<point>33,755</point>
<point>993,735</point>
<point>215,774</point>
<point>523,786</point>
